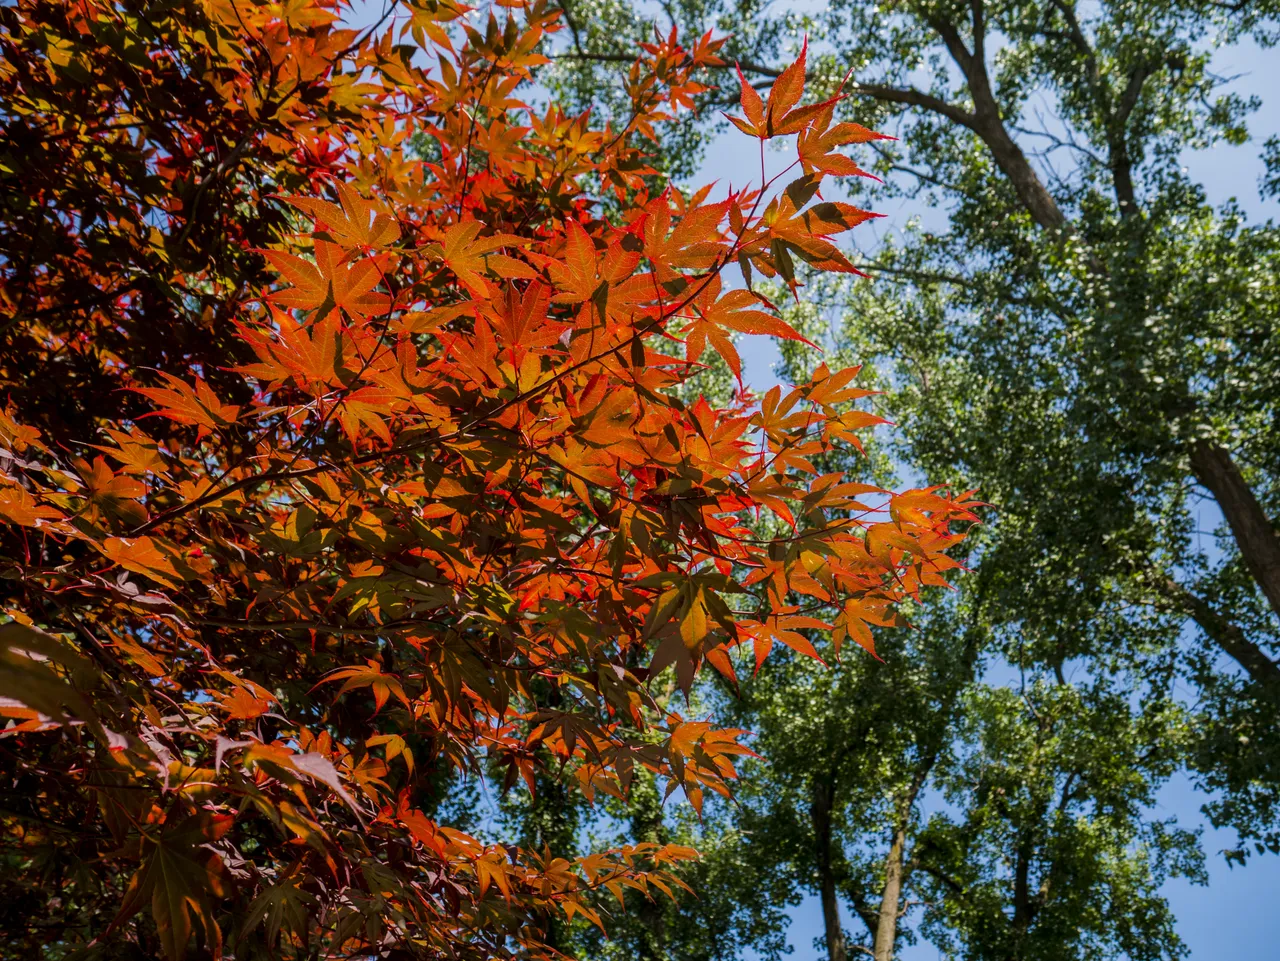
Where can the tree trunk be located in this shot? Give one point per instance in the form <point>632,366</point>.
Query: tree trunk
<point>1014,164</point>
<point>988,125</point>
<point>1212,464</point>
<point>895,867</point>
<point>1225,634</point>
<point>820,812</point>
<point>1254,533</point>
<point>887,924</point>
<point>1024,910</point>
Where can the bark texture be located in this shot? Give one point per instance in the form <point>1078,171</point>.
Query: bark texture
<point>1253,531</point>
<point>820,812</point>
<point>1227,635</point>
<point>887,923</point>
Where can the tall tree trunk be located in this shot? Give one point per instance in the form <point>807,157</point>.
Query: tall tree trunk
<point>887,923</point>
<point>1024,909</point>
<point>1254,533</point>
<point>1014,164</point>
<point>895,867</point>
<point>987,123</point>
<point>1212,464</point>
<point>820,812</point>
<point>647,825</point>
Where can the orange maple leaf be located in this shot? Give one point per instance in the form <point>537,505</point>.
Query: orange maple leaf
<point>468,255</point>
<point>817,142</point>
<point>357,223</point>
<point>186,405</point>
<point>781,116</point>
<point>331,281</point>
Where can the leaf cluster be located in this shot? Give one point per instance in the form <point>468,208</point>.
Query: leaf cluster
<point>416,497</point>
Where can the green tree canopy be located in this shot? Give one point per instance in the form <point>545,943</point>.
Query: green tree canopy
<point>1087,339</point>
<point>1082,335</point>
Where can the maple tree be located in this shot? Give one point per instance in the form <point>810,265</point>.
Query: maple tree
<point>370,462</point>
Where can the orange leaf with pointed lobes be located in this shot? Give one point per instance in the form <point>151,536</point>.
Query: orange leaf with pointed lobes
<point>183,404</point>
<point>434,493</point>
<point>780,116</point>
<point>357,223</point>
<point>817,142</point>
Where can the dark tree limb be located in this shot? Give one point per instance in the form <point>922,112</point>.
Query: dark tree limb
<point>1253,531</point>
<point>820,812</point>
<point>989,126</point>
<point>1121,162</point>
<point>1225,634</point>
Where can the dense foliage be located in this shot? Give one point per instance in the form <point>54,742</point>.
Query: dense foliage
<point>348,450</point>
<point>1075,330</point>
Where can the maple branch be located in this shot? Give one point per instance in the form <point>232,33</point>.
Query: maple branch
<point>100,297</point>
<point>224,167</point>
<point>244,483</point>
<point>471,132</point>
<point>319,626</point>
<point>37,819</point>
<point>362,40</point>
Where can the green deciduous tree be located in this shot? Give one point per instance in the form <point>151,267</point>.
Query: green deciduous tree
<point>1044,850</point>
<point>1084,338</point>
<point>999,817</point>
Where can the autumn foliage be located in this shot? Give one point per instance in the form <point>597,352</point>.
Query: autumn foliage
<point>348,443</point>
